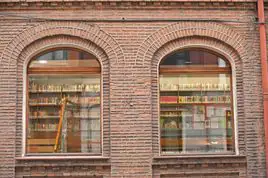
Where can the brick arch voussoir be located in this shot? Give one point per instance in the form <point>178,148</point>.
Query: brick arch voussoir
<point>188,29</point>
<point>61,41</point>
<point>85,31</point>
<point>198,42</point>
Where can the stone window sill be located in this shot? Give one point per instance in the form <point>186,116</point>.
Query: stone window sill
<point>24,158</point>
<point>197,156</point>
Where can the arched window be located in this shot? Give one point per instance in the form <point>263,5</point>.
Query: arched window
<point>195,103</point>
<point>63,103</point>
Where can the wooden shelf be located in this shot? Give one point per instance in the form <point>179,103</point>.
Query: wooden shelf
<point>40,141</point>
<point>36,92</point>
<point>168,90</point>
<point>170,116</point>
<point>45,91</point>
<point>44,104</point>
<point>87,118</point>
<point>199,90</point>
<point>195,129</point>
<point>55,104</point>
<point>170,129</point>
<point>172,110</point>
<point>181,116</point>
<point>43,117</point>
<point>43,130</point>
<point>50,130</point>
<point>192,103</point>
<point>194,141</point>
<point>57,117</point>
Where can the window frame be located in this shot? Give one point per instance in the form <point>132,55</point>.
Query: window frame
<point>199,70</point>
<point>57,71</point>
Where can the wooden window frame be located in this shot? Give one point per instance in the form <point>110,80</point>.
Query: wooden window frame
<point>62,71</point>
<point>173,69</point>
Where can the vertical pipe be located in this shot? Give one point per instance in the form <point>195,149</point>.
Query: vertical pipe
<point>263,51</point>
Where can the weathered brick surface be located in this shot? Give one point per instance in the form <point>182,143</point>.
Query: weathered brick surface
<point>130,52</point>
<point>206,166</point>
<point>79,168</point>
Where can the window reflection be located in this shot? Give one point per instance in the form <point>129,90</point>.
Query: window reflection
<point>64,109</point>
<point>195,108</point>
<point>193,58</point>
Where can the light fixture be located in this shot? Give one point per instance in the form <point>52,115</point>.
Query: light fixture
<point>214,142</point>
<point>43,61</point>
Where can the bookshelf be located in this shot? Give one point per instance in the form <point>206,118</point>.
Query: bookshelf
<point>195,117</point>
<point>80,128</point>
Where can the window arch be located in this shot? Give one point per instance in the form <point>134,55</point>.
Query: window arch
<point>63,103</point>
<point>196,111</point>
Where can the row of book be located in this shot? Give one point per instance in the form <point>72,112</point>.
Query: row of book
<point>44,100</point>
<point>204,99</point>
<point>43,126</point>
<point>84,114</point>
<point>56,100</point>
<point>195,86</point>
<point>73,115</point>
<point>171,114</point>
<point>44,113</point>
<point>89,126</point>
<point>34,87</point>
<point>84,100</point>
<point>195,99</point>
<point>208,124</point>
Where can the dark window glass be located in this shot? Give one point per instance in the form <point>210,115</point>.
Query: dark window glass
<point>193,58</point>
<point>65,58</point>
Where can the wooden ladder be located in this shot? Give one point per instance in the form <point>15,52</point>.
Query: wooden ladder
<point>63,105</point>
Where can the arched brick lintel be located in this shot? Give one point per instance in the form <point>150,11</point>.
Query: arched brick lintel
<point>198,42</point>
<point>61,41</point>
<point>82,30</point>
<point>175,31</point>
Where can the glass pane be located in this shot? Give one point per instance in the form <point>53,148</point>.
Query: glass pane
<point>195,113</point>
<point>65,58</point>
<point>64,114</point>
<point>193,58</point>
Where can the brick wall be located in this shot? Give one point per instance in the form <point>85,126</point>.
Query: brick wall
<point>130,51</point>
